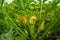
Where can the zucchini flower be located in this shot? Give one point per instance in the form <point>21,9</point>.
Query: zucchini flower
<point>23,19</point>
<point>33,20</point>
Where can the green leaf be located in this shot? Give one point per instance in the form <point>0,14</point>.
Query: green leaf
<point>1,16</point>
<point>41,28</point>
<point>1,3</point>
<point>22,37</point>
<point>7,36</point>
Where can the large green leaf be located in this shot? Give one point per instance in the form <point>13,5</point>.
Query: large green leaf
<point>7,36</point>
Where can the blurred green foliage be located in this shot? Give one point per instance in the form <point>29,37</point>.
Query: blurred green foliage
<point>29,20</point>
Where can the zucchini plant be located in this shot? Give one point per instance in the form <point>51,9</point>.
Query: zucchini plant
<point>30,20</point>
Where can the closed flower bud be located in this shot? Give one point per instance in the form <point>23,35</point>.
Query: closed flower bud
<point>23,19</point>
<point>33,20</point>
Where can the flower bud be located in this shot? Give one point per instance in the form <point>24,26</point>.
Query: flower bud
<point>33,20</point>
<point>23,19</point>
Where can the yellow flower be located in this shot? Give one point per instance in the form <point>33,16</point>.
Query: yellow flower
<point>33,20</point>
<point>23,19</point>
